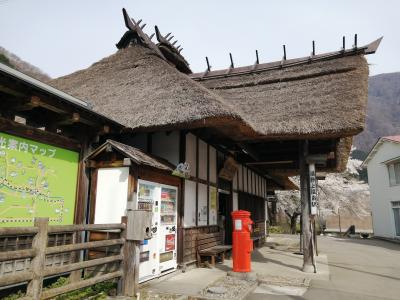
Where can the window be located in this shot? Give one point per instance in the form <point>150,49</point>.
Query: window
<point>396,215</point>
<point>394,173</point>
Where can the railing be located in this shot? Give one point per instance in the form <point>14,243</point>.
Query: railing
<point>41,249</point>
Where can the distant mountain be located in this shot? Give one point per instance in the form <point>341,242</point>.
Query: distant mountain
<point>383,113</point>
<point>17,63</point>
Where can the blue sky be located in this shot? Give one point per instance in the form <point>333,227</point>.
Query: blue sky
<point>64,36</point>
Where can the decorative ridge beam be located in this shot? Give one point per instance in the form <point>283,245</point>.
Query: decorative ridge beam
<point>172,53</point>
<point>135,30</point>
<point>370,48</point>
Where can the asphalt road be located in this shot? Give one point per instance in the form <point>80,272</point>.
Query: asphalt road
<point>359,269</point>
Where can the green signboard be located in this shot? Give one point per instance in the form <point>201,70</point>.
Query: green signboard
<point>36,180</point>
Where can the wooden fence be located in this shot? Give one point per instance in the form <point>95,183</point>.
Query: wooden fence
<point>42,244</point>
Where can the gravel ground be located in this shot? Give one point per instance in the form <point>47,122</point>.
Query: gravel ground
<point>232,288</point>
<point>284,281</point>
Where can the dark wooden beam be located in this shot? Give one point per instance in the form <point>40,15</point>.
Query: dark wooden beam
<point>33,102</point>
<point>10,91</point>
<point>276,162</point>
<point>29,132</point>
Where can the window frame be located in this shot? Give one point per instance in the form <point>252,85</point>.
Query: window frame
<point>394,173</point>
<point>396,207</point>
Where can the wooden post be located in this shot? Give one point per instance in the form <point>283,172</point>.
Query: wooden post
<point>308,249</point>
<point>301,235</point>
<point>128,284</point>
<point>75,276</point>
<point>39,244</point>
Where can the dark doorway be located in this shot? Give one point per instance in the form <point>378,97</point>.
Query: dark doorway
<point>224,212</point>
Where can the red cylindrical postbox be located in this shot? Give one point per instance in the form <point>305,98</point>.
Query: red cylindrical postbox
<point>242,245</point>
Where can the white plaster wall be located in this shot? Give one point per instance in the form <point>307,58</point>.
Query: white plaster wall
<point>213,165</point>
<point>202,160</point>
<point>381,192</point>
<point>189,218</point>
<point>235,181</point>
<point>235,201</point>
<point>258,185</point>
<point>191,153</point>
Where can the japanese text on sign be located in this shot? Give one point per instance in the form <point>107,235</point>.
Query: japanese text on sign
<point>313,189</point>
<point>20,146</point>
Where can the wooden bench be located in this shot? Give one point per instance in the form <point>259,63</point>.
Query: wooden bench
<point>257,237</point>
<point>256,241</point>
<point>210,245</point>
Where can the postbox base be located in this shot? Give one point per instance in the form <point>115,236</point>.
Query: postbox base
<point>248,276</point>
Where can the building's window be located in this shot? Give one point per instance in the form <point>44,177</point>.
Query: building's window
<point>394,173</point>
<point>396,215</point>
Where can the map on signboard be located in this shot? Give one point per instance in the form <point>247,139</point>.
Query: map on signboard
<point>36,180</point>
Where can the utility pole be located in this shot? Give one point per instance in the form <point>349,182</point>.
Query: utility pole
<point>308,244</point>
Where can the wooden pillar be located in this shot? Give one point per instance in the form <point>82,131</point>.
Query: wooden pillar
<point>39,244</point>
<point>128,284</point>
<point>308,249</point>
<point>76,275</point>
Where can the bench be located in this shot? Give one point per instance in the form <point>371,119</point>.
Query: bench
<point>210,245</point>
<point>257,238</point>
<point>257,241</point>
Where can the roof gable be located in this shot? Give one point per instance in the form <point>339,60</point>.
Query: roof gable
<point>142,91</point>
<point>378,144</point>
<point>136,155</point>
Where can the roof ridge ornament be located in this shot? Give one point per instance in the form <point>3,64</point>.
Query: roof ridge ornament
<point>367,49</point>
<point>135,34</point>
<point>355,42</point>
<point>284,56</point>
<point>170,52</point>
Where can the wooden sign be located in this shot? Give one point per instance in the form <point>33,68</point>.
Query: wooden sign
<point>313,189</point>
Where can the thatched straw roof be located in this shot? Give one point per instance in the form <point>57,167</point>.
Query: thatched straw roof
<point>141,90</point>
<point>325,98</point>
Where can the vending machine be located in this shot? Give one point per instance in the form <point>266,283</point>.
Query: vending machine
<point>158,254</point>
<point>168,230</point>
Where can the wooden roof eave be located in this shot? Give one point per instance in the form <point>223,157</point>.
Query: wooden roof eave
<point>162,166</point>
<point>76,104</point>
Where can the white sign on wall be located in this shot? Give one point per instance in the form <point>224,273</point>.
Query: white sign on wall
<point>313,189</point>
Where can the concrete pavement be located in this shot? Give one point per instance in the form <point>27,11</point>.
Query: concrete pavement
<point>347,269</point>
<point>359,269</point>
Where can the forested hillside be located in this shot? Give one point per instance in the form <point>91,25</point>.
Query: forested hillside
<point>383,114</point>
<point>17,63</point>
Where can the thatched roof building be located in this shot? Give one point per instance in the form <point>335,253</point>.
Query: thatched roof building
<point>324,98</point>
<point>258,110</point>
<point>142,91</point>
<point>318,97</point>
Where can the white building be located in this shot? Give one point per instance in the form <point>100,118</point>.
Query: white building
<point>383,165</point>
